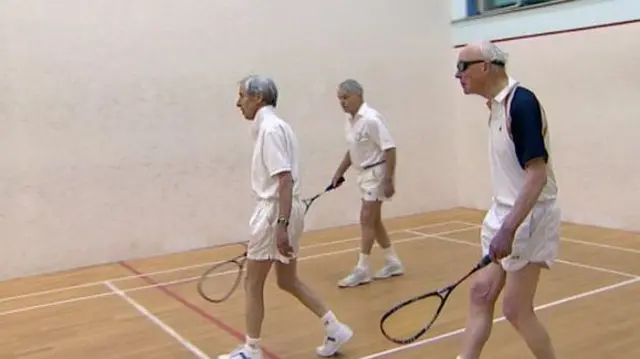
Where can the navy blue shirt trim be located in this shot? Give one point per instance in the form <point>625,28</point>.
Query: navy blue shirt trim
<point>527,126</point>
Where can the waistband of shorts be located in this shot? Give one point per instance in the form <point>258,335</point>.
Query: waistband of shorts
<point>371,166</point>
<point>539,202</point>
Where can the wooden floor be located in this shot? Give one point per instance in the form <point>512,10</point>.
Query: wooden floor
<point>150,308</point>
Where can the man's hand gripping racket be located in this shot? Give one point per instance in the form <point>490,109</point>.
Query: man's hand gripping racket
<point>220,281</point>
<point>408,325</point>
<point>332,186</point>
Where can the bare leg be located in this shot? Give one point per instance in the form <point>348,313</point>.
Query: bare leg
<point>288,281</point>
<point>393,265</point>
<point>256,276</point>
<point>336,333</point>
<point>520,290</point>
<point>360,274</point>
<point>369,213</point>
<point>485,289</point>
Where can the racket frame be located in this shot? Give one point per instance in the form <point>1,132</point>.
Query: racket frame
<point>308,201</point>
<point>239,261</point>
<point>442,293</point>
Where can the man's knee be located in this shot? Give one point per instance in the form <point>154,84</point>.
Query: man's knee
<point>256,274</point>
<point>370,213</point>
<point>520,290</point>
<point>487,285</point>
<point>286,276</point>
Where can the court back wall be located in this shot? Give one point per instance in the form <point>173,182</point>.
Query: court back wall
<point>119,132</point>
<point>588,84</point>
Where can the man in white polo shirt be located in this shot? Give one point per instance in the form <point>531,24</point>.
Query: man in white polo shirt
<point>277,221</point>
<point>372,153</point>
<point>521,230</point>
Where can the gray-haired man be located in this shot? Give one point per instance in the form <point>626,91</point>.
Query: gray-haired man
<point>521,230</point>
<point>372,153</point>
<point>277,221</point>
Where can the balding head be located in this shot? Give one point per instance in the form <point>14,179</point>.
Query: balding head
<point>479,65</point>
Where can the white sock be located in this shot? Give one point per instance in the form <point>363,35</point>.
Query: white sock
<point>363,261</point>
<point>329,320</point>
<point>390,254</point>
<point>252,343</point>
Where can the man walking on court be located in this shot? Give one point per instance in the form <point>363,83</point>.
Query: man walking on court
<point>372,153</point>
<point>277,221</point>
<point>521,230</point>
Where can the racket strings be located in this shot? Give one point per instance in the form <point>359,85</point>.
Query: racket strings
<point>220,281</point>
<point>410,320</point>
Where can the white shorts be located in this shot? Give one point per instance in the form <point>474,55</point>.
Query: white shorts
<point>536,240</point>
<point>370,183</point>
<point>262,243</point>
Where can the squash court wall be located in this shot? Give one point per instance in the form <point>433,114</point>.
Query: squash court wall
<point>119,132</point>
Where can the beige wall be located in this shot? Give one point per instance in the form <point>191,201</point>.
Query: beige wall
<point>119,135</point>
<point>588,83</point>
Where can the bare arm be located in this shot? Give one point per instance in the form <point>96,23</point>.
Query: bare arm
<point>278,162</point>
<point>285,192</point>
<point>381,136</point>
<point>535,180</point>
<point>344,165</point>
<point>390,161</point>
<point>527,130</point>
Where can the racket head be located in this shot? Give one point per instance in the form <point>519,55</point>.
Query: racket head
<point>405,323</point>
<point>307,202</point>
<point>220,281</point>
<point>410,312</point>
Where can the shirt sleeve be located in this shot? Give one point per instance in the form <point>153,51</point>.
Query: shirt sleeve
<point>380,133</point>
<point>276,157</point>
<point>527,127</point>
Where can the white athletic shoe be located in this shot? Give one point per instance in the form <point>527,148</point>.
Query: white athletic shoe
<point>357,277</point>
<point>243,352</point>
<point>390,269</point>
<point>334,339</point>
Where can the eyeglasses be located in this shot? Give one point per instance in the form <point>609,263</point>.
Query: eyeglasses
<point>464,65</point>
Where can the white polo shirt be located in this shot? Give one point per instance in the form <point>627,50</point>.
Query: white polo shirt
<point>275,151</point>
<point>517,134</point>
<point>367,137</point>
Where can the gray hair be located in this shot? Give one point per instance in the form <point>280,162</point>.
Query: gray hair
<point>351,86</point>
<point>492,53</point>
<point>261,85</point>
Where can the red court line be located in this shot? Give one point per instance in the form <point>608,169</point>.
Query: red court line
<point>215,321</point>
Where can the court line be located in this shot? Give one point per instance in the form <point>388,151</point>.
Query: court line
<point>576,241</point>
<point>193,266</point>
<point>198,310</point>
<point>563,261</point>
<point>501,319</point>
<point>166,328</point>
<point>191,279</point>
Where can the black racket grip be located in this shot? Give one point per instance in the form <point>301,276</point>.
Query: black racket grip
<point>331,186</point>
<point>485,261</point>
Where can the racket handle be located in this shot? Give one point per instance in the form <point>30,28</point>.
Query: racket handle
<point>486,260</point>
<point>331,186</point>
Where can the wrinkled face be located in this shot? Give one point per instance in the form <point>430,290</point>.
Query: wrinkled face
<point>248,104</point>
<point>472,72</point>
<point>349,102</point>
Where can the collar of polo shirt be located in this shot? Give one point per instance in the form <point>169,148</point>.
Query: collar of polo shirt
<point>505,91</point>
<point>361,112</point>
<point>263,111</point>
